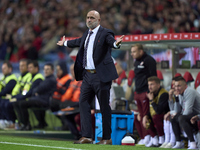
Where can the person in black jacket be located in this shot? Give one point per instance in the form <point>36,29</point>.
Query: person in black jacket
<point>145,67</point>
<point>40,98</point>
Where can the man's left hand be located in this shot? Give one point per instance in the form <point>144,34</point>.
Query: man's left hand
<point>194,119</point>
<point>119,40</point>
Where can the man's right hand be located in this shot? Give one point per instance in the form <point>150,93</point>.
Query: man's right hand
<point>166,116</point>
<point>145,121</point>
<point>61,43</point>
<point>171,93</point>
<point>139,117</point>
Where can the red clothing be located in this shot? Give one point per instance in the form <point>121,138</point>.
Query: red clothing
<point>143,109</point>
<point>61,87</point>
<point>73,92</point>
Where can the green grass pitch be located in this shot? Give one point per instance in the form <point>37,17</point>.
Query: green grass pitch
<point>8,142</point>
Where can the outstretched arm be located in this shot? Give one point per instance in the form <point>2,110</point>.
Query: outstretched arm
<point>119,40</point>
<point>61,43</point>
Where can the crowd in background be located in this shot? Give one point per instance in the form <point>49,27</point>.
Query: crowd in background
<point>31,28</point>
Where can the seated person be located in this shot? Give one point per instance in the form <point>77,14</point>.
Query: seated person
<point>39,99</point>
<point>7,84</point>
<point>186,106</point>
<point>153,122</point>
<point>169,134</point>
<point>70,99</point>
<point>7,107</point>
<point>63,81</point>
<point>27,90</point>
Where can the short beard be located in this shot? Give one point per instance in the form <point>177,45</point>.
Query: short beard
<point>93,25</point>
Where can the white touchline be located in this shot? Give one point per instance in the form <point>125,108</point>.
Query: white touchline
<point>39,145</point>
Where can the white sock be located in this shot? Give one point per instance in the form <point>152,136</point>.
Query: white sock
<point>150,142</point>
<point>161,139</point>
<point>193,145</point>
<point>147,139</point>
<point>155,140</point>
<point>172,136</point>
<point>141,141</point>
<point>167,130</point>
<point>188,143</point>
<point>178,143</point>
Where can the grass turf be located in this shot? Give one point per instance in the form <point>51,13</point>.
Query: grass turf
<point>19,143</point>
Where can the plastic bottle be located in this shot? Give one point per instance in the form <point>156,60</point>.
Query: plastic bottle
<point>16,125</point>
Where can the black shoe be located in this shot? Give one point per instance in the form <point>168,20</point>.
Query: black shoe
<point>26,128</point>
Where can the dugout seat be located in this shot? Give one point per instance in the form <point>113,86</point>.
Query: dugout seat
<point>131,76</point>
<point>121,77</point>
<point>160,75</point>
<point>188,77</point>
<point>197,81</point>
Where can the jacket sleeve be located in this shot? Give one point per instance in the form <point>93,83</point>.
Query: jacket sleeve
<point>66,86</point>
<point>29,93</point>
<point>171,105</point>
<point>151,65</point>
<point>162,103</point>
<point>189,103</point>
<point>8,88</point>
<point>74,43</point>
<point>177,105</point>
<point>110,39</point>
<point>44,86</point>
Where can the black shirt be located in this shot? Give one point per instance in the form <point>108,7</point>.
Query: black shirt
<point>145,67</point>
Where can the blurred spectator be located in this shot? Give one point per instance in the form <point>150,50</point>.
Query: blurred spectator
<point>43,22</point>
<point>7,83</point>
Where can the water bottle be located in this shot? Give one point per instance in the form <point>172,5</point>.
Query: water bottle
<point>16,125</point>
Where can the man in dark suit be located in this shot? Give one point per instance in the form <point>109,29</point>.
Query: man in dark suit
<point>95,67</point>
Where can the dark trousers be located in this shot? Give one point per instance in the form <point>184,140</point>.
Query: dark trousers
<point>92,86</point>
<point>138,126</point>
<point>8,110</point>
<point>183,122</point>
<point>21,108</point>
<point>2,117</point>
<point>69,120</point>
<point>156,127</point>
<point>143,109</point>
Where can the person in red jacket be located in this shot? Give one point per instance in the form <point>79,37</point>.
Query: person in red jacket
<point>67,97</point>
<point>71,100</point>
<point>63,81</point>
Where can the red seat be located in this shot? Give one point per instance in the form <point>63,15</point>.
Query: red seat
<point>188,77</point>
<point>177,75</point>
<point>121,77</point>
<point>197,81</point>
<point>131,76</point>
<point>159,75</point>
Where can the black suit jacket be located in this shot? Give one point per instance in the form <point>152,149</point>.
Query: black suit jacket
<point>103,62</point>
<point>45,89</point>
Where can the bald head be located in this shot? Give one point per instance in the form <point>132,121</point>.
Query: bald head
<point>93,19</point>
<point>95,13</point>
